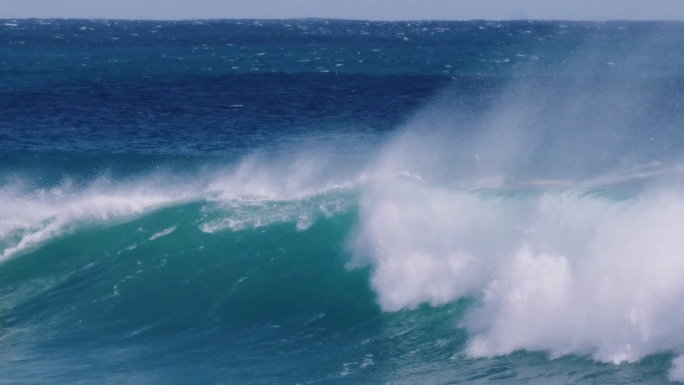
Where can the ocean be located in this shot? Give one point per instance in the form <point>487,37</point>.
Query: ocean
<point>341,202</point>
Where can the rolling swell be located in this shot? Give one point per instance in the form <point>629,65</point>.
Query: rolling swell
<point>406,263</point>
<point>250,303</point>
<point>334,201</point>
<point>252,289</point>
<point>223,299</point>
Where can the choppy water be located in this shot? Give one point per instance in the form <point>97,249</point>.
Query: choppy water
<point>321,201</point>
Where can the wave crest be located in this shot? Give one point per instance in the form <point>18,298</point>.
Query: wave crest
<point>563,272</point>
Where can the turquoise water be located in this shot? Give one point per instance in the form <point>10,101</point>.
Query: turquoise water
<point>325,201</point>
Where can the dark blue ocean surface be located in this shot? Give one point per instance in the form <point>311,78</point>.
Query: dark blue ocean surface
<point>326,201</point>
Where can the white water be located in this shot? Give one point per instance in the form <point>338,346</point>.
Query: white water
<point>562,272</point>
<point>256,191</point>
<point>30,217</point>
<point>573,243</point>
<point>554,267</point>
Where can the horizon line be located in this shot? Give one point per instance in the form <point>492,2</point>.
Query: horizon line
<point>339,19</point>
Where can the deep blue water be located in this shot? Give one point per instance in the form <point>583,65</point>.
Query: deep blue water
<point>326,201</point>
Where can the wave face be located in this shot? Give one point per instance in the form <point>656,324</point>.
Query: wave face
<point>347,283</point>
<point>318,201</point>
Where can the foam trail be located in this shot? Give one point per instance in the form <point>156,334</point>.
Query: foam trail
<point>29,218</point>
<point>163,233</point>
<point>257,190</point>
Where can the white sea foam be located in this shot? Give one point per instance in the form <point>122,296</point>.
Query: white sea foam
<point>241,214</point>
<point>548,210</point>
<point>558,272</point>
<point>31,217</point>
<point>677,371</point>
<point>256,191</point>
<point>163,233</point>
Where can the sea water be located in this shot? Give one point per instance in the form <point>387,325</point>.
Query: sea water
<point>326,201</point>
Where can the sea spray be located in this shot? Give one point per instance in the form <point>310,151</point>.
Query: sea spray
<point>469,202</point>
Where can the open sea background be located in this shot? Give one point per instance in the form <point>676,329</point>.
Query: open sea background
<point>352,202</point>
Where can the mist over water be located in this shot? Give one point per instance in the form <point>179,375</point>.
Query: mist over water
<point>557,207</point>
